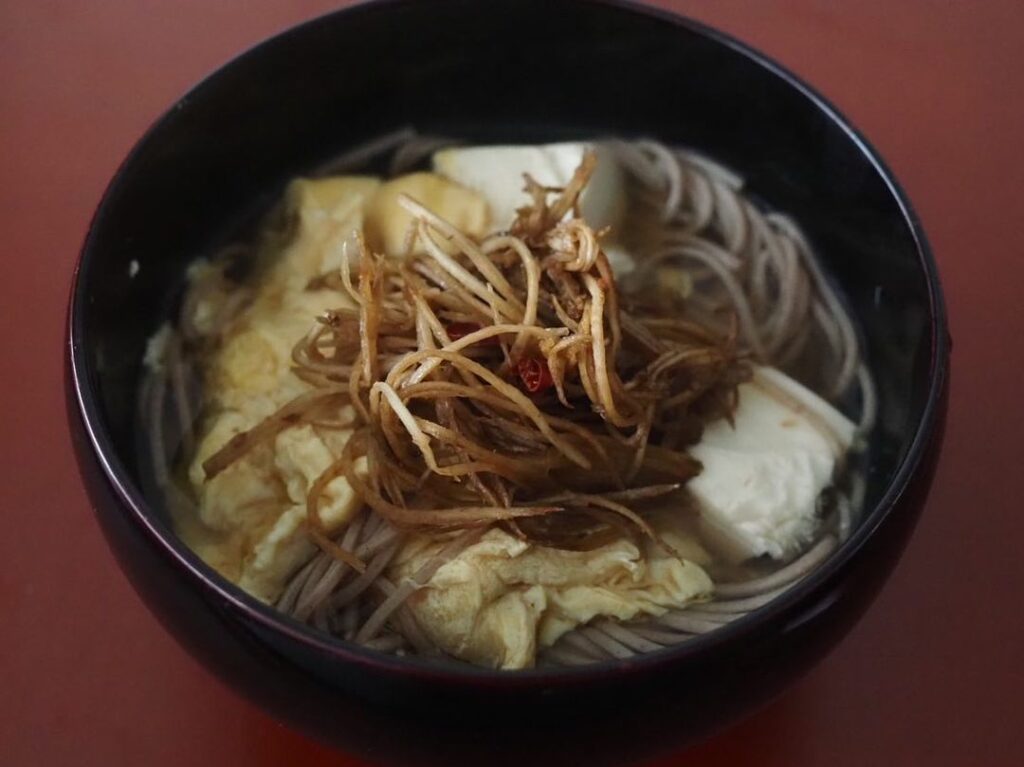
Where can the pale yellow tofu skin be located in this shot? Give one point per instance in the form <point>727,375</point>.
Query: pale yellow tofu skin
<point>329,214</point>
<point>502,599</point>
<point>387,222</point>
<point>252,516</point>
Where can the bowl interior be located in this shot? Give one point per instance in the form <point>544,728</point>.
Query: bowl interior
<point>519,72</point>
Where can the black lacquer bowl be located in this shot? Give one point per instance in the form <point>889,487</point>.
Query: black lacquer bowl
<point>510,71</point>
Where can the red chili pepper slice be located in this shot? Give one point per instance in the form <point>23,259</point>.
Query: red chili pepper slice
<point>535,374</point>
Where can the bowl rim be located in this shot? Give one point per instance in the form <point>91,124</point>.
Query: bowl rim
<point>187,563</point>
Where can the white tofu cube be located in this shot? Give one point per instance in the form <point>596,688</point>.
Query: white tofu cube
<point>496,172</point>
<point>762,477</point>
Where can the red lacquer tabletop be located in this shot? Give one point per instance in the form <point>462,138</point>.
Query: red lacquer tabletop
<point>934,674</point>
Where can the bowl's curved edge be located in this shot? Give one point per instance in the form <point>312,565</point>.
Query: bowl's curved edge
<point>88,408</point>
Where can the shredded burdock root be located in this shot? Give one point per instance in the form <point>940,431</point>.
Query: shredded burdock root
<point>502,381</point>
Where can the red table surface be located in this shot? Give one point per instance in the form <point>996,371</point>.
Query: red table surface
<point>933,674</point>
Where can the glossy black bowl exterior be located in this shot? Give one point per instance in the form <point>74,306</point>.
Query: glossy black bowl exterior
<point>505,70</point>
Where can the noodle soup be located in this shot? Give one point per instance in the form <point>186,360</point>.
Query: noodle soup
<point>512,406</point>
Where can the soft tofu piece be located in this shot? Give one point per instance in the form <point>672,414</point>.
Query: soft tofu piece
<point>330,212</point>
<point>314,201</point>
<point>502,598</point>
<point>387,222</point>
<point>250,522</point>
<point>244,491</point>
<point>277,555</point>
<point>300,457</point>
<point>496,172</point>
<point>254,364</point>
<point>762,476</point>
<point>286,546</point>
<point>255,536</point>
